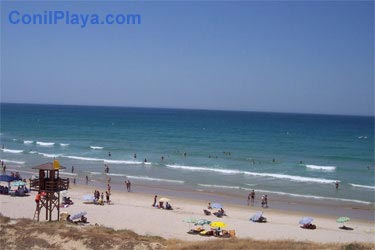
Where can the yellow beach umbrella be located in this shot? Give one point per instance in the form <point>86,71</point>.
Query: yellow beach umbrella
<point>218,224</point>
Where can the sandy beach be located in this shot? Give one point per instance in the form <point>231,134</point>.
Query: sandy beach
<point>133,211</point>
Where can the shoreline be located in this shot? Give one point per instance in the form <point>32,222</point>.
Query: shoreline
<point>133,211</point>
<point>281,203</point>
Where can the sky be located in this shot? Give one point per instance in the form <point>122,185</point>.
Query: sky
<point>278,56</point>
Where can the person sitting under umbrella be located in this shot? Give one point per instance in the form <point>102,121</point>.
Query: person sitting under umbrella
<point>168,206</point>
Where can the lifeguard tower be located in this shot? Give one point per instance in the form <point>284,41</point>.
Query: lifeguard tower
<point>49,184</point>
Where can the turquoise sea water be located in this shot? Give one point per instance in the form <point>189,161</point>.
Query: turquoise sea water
<point>236,151</point>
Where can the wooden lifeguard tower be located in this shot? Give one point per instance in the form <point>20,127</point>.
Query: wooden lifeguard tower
<point>49,184</point>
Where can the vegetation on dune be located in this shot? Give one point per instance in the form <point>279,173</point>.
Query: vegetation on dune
<point>28,234</point>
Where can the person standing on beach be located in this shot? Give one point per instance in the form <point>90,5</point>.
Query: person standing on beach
<point>107,197</point>
<point>129,185</point>
<point>266,201</point>
<point>248,199</point>
<point>252,194</point>
<point>72,169</point>
<point>87,179</point>
<point>155,198</point>
<point>109,188</point>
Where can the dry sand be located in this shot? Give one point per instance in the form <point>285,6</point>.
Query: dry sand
<point>133,211</point>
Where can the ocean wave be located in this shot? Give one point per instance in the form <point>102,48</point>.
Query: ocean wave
<point>68,173</point>
<point>277,176</point>
<point>96,147</point>
<point>95,173</point>
<point>13,151</point>
<point>121,162</point>
<point>205,169</point>
<point>362,186</point>
<point>323,168</point>
<point>11,161</point>
<point>146,178</point>
<point>219,186</point>
<point>45,144</point>
<point>310,196</point>
<point>49,155</point>
<point>82,158</point>
<point>28,142</point>
<point>292,177</point>
<point>64,144</point>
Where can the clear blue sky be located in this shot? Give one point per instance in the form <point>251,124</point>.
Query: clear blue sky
<point>305,57</point>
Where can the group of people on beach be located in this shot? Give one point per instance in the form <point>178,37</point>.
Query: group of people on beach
<point>251,199</point>
<point>99,198</point>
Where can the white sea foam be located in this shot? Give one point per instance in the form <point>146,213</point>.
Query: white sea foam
<point>82,158</point>
<point>95,173</point>
<point>13,151</point>
<point>362,186</point>
<point>64,144</point>
<point>33,152</point>
<point>219,186</point>
<point>14,139</point>
<point>278,176</point>
<point>146,178</point>
<point>45,144</point>
<point>292,177</point>
<point>311,196</point>
<point>121,162</point>
<point>28,142</point>
<point>11,161</point>
<point>96,147</point>
<point>49,155</point>
<point>68,173</point>
<point>323,168</point>
<point>205,169</point>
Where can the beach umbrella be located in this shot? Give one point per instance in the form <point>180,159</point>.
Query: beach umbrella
<point>77,215</point>
<point>306,220</point>
<point>216,205</point>
<point>256,216</point>
<point>343,219</point>
<point>218,224</point>
<point>18,183</point>
<point>88,197</point>
<point>202,222</point>
<point>163,199</point>
<point>190,220</point>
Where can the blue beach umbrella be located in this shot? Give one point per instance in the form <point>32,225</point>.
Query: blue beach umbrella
<point>88,197</point>
<point>216,205</point>
<point>202,222</point>
<point>77,215</point>
<point>306,220</point>
<point>256,216</point>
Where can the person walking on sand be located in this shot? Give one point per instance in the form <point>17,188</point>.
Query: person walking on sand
<point>155,198</point>
<point>129,186</point>
<point>107,197</point>
<point>109,188</point>
<point>266,201</point>
<point>87,179</point>
<point>252,194</point>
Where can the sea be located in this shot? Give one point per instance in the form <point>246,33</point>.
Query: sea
<point>279,154</point>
